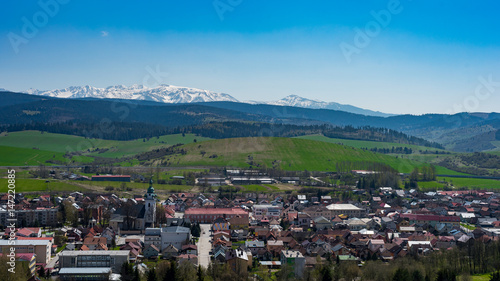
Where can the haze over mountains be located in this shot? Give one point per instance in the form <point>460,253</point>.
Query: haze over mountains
<point>175,94</point>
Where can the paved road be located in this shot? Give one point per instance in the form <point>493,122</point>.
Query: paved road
<point>204,246</point>
<point>52,262</point>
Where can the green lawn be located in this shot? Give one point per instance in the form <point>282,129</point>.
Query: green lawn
<point>255,188</point>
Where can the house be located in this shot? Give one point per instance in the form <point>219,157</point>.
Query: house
<point>356,224</point>
<point>303,220</point>
<point>27,232</point>
<point>151,252</point>
<point>254,246</point>
<point>95,243</point>
<point>275,246</point>
<point>188,258</point>
<point>190,249</point>
<point>238,261</point>
<point>170,252</point>
<point>322,223</point>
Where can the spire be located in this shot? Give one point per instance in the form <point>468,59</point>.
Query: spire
<point>151,190</point>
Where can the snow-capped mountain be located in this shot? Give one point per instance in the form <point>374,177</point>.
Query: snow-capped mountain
<point>175,94</point>
<point>162,93</point>
<point>297,101</point>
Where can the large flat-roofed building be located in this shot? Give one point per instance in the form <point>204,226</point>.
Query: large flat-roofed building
<point>152,236</point>
<point>175,236</point>
<point>26,217</point>
<point>95,259</point>
<point>85,273</point>
<point>346,209</point>
<point>209,215</point>
<point>266,211</point>
<point>124,178</point>
<point>41,248</point>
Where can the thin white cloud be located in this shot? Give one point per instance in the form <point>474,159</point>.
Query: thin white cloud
<point>104,33</point>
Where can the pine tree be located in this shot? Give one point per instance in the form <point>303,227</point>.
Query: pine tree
<point>151,275</point>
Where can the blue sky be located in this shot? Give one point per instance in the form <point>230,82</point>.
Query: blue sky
<point>426,56</point>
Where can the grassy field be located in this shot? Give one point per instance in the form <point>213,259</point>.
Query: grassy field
<point>472,183</point>
<point>430,185</point>
<point>67,143</point>
<point>255,188</point>
<point>135,185</point>
<point>15,156</point>
<point>290,153</point>
<point>367,144</point>
<point>29,185</point>
<point>482,277</point>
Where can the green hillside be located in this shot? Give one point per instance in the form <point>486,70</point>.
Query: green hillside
<point>107,148</point>
<point>367,144</point>
<point>15,156</point>
<point>291,153</point>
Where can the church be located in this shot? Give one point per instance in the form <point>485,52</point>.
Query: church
<point>136,216</point>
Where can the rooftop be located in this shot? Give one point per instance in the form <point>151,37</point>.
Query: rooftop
<point>85,270</point>
<point>342,207</point>
<point>94,253</point>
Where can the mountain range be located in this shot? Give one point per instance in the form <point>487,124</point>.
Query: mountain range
<point>464,132</point>
<point>175,94</point>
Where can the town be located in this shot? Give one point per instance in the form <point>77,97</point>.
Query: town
<point>214,235</point>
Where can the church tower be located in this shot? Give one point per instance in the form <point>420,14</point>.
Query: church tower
<point>150,205</point>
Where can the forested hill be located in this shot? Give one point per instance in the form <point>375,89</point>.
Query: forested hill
<point>132,119</point>
<point>217,130</point>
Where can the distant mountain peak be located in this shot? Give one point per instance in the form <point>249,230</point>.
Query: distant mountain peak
<point>298,101</point>
<point>176,94</point>
<point>162,93</point>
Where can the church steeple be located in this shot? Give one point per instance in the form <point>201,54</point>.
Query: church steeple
<point>150,205</point>
<point>151,191</point>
